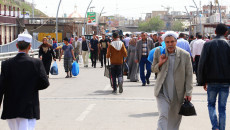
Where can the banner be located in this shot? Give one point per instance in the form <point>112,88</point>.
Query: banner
<point>91,18</point>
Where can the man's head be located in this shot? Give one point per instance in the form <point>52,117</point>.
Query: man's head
<point>221,30</point>
<point>83,38</point>
<point>191,37</point>
<point>94,36</point>
<point>65,40</point>
<point>182,35</point>
<point>76,38</point>
<point>199,36</point>
<point>44,40</point>
<point>154,37</point>
<point>49,37</point>
<point>103,36</point>
<point>144,36</point>
<point>127,35</point>
<point>170,39</point>
<point>115,35</point>
<point>24,41</point>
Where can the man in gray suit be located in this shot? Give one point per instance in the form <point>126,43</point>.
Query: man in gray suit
<point>174,81</point>
<point>143,47</point>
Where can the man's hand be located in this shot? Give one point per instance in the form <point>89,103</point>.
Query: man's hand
<point>40,57</point>
<point>189,98</point>
<point>74,59</point>
<point>54,59</point>
<point>205,87</point>
<point>136,61</point>
<point>59,59</point>
<point>162,60</point>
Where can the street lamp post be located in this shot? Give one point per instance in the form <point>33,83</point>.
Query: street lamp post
<point>57,21</point>
<point>86,14</point>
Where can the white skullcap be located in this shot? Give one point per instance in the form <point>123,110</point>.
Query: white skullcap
<point>170,33</point>
<point>25,37</point>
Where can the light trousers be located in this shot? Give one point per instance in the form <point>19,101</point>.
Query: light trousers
<point>85,56</point>
<point>21,124</point>
<point>169,119</point>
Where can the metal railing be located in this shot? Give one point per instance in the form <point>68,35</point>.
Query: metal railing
<point>11,47</point>
<point>5,56</point>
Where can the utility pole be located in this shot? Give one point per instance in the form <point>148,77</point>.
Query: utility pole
<point>86,14</point>
<point>98,27</point>
<point>198,14</point>
<point>189,20</point>
<point>57,21</point>
<point>219,10</point>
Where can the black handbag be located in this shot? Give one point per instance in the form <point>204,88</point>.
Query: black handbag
<point>107,72</point>
<point>187,109</point>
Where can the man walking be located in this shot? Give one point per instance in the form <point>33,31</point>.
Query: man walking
<point>103,48</point>
<point>214,75</point>
<point>143,47</point>
<point>126,40</point>
<point>77,48</point>
<point>197,48</point>
<point>116,52</point>
<point>94,50</point>
<point>183,44</point>
<point>21,79</point>
<point>174,82</point>
<point>85,51</point>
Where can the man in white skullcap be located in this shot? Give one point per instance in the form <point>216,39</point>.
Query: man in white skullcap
<point>174,81</point>
<point>21,78</point>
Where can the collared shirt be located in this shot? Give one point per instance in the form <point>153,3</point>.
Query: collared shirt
<point>144,49</point>
<point>126,40</point>
<point>183,44</point>
<point>197,47</point>
<point>191,45</point>
<point>168,88</point>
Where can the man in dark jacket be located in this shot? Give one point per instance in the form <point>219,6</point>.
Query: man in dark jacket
<point>214,75</point>
<point>21,79</point>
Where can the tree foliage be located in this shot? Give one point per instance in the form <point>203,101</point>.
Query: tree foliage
<point>154,24</point>
<point>177,26</point>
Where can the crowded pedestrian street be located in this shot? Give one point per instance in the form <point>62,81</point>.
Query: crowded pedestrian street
<point>86,102</point>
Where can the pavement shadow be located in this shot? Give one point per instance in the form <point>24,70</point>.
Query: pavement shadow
<point>101,92</point>
<point>144,115</point>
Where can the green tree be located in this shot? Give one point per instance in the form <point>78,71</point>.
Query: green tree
<point>177,26</point>
<point>154,24</point>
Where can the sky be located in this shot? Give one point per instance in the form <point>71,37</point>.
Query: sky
<point>128,8</point>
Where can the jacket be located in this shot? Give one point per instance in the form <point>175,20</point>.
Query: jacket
<point>77,49</point>
<point>116,52</point>
<point>138,52</point>
<point>182,73</point>
<point>21,79</point>
<point>214,64</point>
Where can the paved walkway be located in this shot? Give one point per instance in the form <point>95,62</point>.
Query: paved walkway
<point>85,102</point>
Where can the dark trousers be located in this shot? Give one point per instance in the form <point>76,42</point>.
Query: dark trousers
<point>57,53</point>
<point>47,64</point>
<point>197,58</point>
<point>103,57</point>
<point>94,58</point>
<point>144,62</point>
<point>116,71</point>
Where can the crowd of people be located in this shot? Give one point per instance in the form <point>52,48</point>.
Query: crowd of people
<point>173,57</point>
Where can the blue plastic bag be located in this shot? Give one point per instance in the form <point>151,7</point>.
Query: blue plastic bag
<point>54,69</point>
<point>75,68</point>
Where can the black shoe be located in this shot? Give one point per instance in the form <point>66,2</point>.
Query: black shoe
<point>147,80</point>
<point>143,84</point>
<point>94,66</point>
<point>114,91</point>
<point>86,66</point>
<point>120,87</point>
<point>67,76</point>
